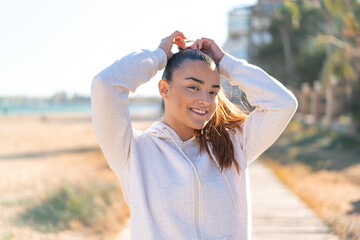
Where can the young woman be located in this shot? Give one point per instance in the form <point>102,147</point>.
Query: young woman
<point>186,176</point>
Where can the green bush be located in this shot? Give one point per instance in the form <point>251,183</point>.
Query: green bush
<point>83,204</point>
<point>6,236</point>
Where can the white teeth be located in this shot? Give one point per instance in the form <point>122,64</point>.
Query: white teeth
<point>198,111</point>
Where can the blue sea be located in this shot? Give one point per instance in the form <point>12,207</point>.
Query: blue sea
<point>137,109</point>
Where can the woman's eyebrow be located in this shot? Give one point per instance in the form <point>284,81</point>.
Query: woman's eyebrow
<point>201,82</point>
<point>196,80</point>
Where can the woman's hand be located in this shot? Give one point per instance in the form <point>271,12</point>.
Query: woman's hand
<point>209,47</point>
<point>166,44</point>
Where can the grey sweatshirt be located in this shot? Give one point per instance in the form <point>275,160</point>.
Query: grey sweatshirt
<point>173,190</point>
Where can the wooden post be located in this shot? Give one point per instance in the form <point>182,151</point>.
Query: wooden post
<point>304,99</point>
<point>330,100</point>
<point>315,101</point>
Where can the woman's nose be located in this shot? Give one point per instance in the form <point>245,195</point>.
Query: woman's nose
<point>205,100</point>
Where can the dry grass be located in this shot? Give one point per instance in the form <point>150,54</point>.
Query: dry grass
<point>323,171</point>
<point>37,158</point>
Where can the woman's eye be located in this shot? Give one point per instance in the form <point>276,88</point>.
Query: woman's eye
<point>213,93</point>
<point>193,87</point>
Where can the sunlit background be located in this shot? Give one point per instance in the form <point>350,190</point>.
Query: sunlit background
<point>54,180</point>
<point>53,46</point>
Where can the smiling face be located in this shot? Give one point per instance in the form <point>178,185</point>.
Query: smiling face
<point>190,98</point>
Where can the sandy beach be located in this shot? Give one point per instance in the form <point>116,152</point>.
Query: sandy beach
<point>38,155</point>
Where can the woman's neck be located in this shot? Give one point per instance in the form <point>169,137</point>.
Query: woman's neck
<point>184,132</point>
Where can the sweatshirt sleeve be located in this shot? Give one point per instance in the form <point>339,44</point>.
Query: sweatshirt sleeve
<point>274,105</point>
<point>109,103</point>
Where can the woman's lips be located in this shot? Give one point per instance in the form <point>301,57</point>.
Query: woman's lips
<point>198,111</point>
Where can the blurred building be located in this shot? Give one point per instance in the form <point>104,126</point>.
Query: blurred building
<point>248,27</point>
<point>238,32</point>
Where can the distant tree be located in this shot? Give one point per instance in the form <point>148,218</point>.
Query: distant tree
<point>342,38</point>
<point>343,50</point>
<point>293,29</point>
<point>310,53</point>
<point>287,19</point>
<point>309,61</point>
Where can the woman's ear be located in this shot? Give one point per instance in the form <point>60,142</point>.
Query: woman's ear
<point>163,88</point>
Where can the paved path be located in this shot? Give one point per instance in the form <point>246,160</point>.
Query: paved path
<point>277,212</point>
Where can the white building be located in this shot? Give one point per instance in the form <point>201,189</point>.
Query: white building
<point>248,27</point>
<point>239,31</point>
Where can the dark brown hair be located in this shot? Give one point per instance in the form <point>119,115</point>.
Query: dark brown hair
<point>227,115</point>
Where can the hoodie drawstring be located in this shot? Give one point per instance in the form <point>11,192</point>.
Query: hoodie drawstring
<point>193,166</point>
<point>196,173</point>
<point>226,180</point>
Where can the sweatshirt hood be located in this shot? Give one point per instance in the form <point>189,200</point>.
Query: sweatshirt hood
<point>165,132</point>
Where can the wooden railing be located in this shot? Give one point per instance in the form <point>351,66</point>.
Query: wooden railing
<point>325,106</point>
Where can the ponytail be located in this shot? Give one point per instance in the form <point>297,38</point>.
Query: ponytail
<point>227,116</point>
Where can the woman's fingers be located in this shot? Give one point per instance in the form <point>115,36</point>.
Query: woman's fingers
<point>180,42</point>
<point>201,43</point>
<point>209,47</point>
<point>177,33</point>
<point>177,37</point>
<point>195,45</point>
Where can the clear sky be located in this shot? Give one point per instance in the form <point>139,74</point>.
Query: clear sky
<point>59,45</point>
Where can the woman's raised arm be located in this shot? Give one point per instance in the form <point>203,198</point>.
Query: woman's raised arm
<point>274,105</point>
<point>109,101</point>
